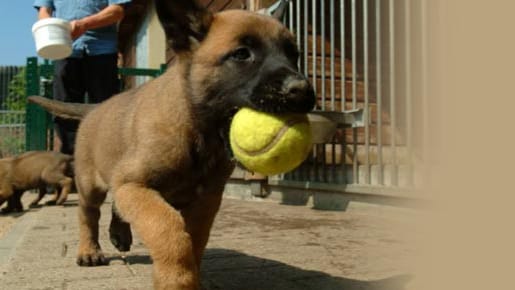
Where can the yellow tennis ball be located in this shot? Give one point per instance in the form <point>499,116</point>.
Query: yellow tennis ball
<point>270,144</point>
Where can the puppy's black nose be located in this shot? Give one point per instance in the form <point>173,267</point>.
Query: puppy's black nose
<point>299,92</point>
<point>295,85</point>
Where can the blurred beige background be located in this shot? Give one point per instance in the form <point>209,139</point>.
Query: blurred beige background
<point>471,63</point>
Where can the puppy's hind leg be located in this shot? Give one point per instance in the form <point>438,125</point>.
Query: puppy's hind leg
<point>65,183</point>
<point>119,232</point>
<point>60,180</point>
<point>15,200</point>
<point>6,191</point>
<point>163,231</point>
<point>41,194</point>
<point>90,200</point>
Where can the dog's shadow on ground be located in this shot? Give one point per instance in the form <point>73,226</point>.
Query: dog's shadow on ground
<point>37,207</point>
<point>232,270</point>
<point>12,214</point>
<point>71,203</point>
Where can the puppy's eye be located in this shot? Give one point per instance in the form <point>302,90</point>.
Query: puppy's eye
<point>241,54</point>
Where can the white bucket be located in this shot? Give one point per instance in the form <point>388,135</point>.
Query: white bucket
<point>52,37</point>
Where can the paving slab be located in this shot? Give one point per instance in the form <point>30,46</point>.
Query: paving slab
<point>254,245</point>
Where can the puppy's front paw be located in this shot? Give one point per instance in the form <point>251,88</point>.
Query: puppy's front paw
<point>91,259</point>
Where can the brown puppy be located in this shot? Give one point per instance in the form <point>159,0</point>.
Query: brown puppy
<point>161,149</point>
<point>34,170</point>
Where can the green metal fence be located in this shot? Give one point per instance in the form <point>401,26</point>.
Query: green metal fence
<point>38,121</point>
<point>39,126</point>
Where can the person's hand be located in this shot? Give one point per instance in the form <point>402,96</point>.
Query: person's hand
<point>78,28</point>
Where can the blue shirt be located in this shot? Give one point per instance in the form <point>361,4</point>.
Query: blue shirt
<point>94,42</point>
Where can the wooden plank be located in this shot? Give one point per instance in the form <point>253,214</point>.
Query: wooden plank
<point>219,5</point>
<point>360,89</point>
<point>326,44</point>
<point>240,4</point>
<point>205,3</point>
<point>327,68</point>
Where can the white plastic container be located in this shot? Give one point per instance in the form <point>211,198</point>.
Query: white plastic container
<point>52,37</point>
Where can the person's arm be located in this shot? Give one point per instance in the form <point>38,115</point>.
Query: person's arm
<point>109,15</point>
<point>44,12</point>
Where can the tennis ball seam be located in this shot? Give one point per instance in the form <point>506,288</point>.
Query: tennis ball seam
<point>289,124</point>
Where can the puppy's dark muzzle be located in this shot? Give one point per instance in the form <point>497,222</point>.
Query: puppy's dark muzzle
<point>284,91</point>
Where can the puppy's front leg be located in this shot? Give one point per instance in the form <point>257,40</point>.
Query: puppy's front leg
<point>199,217</point>
<point>163,231</point>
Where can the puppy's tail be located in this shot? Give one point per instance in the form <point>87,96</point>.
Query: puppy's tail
<point>64,110</point>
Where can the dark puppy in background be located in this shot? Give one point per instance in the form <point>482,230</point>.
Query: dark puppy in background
<point>161,149</point>
<point>34,170</point>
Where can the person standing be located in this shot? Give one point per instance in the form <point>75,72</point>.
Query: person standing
<point>92,68</point>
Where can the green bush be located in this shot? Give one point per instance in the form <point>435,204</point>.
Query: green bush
<point>12,145</point>
<point>16,99</point>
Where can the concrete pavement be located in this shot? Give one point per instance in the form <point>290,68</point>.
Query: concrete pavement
<point>254,245</point>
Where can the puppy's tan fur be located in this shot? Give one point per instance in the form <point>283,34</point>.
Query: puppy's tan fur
<point>35,170</point>
<point>161,149</point>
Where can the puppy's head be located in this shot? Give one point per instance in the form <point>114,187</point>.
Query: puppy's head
<point>236,58</point>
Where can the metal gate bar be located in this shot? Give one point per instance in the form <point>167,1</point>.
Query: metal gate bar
<point>379,94</point>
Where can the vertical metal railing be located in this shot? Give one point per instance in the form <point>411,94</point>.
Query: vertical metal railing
<point>355,162</point>
<point>408,89</point>
<point>38,121</point>
<point>305,39</point>
<point>379,94</point>
<point>393,92</point>
<point>371,42</point>
<point>366,83</point>
<point>343,92</point>
<point>314,32</point>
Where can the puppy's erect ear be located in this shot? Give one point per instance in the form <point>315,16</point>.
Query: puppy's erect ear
<point>276,10</point>
<point>184,22</point>
<point>280,10</point>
